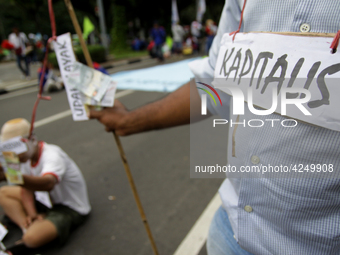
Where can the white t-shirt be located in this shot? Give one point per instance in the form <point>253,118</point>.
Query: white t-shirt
<point>71,188</point>
<point>178,33</point>
<point>18,41</point>
<point>196,28</point>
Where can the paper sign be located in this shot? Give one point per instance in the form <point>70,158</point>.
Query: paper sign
<point>66,58</point>
<point>15,144</point>
<point>294,68</point>
<point>3,163</point>
<point>3,232</point>
<point>12,172</point>
<point>44,198</point>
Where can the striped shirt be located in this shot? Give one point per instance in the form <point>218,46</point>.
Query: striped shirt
<point>287,216</point>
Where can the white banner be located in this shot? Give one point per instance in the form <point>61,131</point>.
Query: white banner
<point>66,58</point>
<point>174,12</point>
<point>14,144</point>
<point>200,10</point>
<point>3,232</point>
<point>295,76</point>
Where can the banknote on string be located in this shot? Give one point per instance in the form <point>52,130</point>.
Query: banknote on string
<point>11,165</point>
<point>90,82</point>
<point>107,100</point>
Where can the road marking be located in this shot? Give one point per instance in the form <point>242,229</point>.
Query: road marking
<point>197,236</point>
<point>18,93</point>
<point>66,113</point>
<point>52,118</point>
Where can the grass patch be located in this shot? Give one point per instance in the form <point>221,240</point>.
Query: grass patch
<point>121,54</point>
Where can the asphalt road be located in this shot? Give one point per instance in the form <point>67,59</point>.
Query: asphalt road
<point>159,162</point>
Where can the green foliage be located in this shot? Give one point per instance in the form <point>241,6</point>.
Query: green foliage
<point>124,54</point>
<point>97,53</point>
<point>31,16</point>
<point>40,55</point>
<point>119,29</point>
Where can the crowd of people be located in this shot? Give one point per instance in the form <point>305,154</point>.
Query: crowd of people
<point>186,40</point>
<point>24,49</point>
<point>189,39</point>
<point>29,50</point>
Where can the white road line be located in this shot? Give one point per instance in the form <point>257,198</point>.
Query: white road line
<point>197,236</point>
<point>52,118</point>
<point>18,93</point>
<point>124,93</point>
<point>66,113</point>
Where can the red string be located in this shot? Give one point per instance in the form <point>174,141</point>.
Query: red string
<point>39,96</point>
<point>335,43</point>
<point>52,19</point>
<point>239,27</point>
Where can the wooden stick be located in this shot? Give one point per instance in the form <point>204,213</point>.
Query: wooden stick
<point>79,32</point>
<point>117,139</point>
<point>135,193</point>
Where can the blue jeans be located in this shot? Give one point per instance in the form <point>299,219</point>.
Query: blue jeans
<point>177,47</point>
<point>209,42</point>
<point>221,239</point>
<point>26,71</point>
<point>159,52</point>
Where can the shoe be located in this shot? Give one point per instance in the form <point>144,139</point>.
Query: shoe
<point>52,88</point>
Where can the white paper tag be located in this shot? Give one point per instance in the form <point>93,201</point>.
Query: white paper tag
<point>14,144</point>
<point>3,232</point>
<point>256,65</point>
<point>44,198</point>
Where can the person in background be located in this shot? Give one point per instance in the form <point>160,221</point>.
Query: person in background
<point>158,35</point>
<point>178,35</point>
<point>45,167</point>
<point>100,68</point>
<point>51,81</point>
<point>259,216</point>
<point>19,41</point>
<point>195,29</point>
<point>210,30</point>
<point>32,55</point>
<point>190,45</point>
<point>152,49</point>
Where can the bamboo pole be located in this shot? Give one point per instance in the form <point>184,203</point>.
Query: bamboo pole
<point>117,139</point>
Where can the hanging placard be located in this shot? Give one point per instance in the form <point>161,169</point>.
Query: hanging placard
<point>295,76</point>
<point>66,58</point>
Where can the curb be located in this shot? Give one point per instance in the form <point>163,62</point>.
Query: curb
<point>34,82</point>
<point>125,62</point>
<point>18,86</point>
